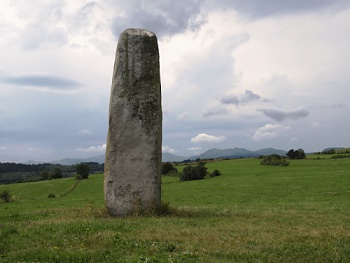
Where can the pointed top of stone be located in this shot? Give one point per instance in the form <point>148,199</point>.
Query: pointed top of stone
<point>138,32</point>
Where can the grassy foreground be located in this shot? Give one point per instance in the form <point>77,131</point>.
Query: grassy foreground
<point>252,213</point>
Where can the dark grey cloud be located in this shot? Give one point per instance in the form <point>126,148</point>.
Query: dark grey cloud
<point>338,106</point>
<point>163,17</point>
<point>214,111</point>
<point>41,81</point>
<point>280,115</point>
<point>240,100</point>
<point>166,17</point>
<point>262,8</point>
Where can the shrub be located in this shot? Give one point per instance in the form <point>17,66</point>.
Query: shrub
<point>51,196</point>
<point>339,156</point>
<point>168,168</point>
<point>197,172</point>
<point>274,160</point>
<point>201,170</point>
<point>296,154</point>
<point>6,196</point>
<point>330,151</point>
<point>215,173</point>
<point>173,173</point>
<point>188,173</point>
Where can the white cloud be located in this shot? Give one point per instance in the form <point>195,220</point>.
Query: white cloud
<point>203,137</point>
<point>78,24</point>
<point>199,71</point>
<point>2,148</point>
<point>84,132</point>
<point>168,149</point>
<point>93,149</point>
<point>269,131</point>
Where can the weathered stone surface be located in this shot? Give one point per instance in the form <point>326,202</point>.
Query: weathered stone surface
<point>133,154</point>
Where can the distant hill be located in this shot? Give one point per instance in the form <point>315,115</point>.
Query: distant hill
<point>166,157</point>
<point>217,153</point>
<point>237,153</point>
<point>268,151</point>
<point>333,148</point>
<point>169,157</point>
<point>72,161</point>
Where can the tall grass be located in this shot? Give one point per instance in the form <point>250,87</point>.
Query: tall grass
<point>251,213</point>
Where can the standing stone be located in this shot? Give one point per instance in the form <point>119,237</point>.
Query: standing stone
<point>132,180</point>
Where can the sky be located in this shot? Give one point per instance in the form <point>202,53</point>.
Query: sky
<point>248,74</point>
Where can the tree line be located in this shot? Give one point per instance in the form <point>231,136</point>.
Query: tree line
<point>18,172</point>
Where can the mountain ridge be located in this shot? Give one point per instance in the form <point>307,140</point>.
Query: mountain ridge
<point>237,153</point>
<point>169,157</point>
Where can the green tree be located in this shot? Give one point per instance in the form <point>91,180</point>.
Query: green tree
<point>44,175</point>
<point>57,173</point>
<point>296,154</point>
<point>83,170</point>
<point>188,173</point>
<point>167,168</point>
<point>201,170</point>
<point>197,172</point>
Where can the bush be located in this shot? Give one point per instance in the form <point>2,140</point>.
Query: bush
<point>51,196</point>
<point>274,160</point>
<point>201,170</point>
<point>6,196</point>
<point>330,151</point>
<point>197,172</point>
<point>296,154</point>
<point>215,173</point>
<point>339,156</point>
<point>78,177</point>
<point>173,173</point>
<point>188,173</point>
<point>168,168</point>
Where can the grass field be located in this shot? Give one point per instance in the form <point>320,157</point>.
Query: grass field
<point>252,213</point>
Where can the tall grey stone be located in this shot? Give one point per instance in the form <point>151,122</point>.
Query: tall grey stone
<point>133,154</point>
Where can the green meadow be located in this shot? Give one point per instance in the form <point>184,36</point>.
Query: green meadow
<point>251,213</point>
